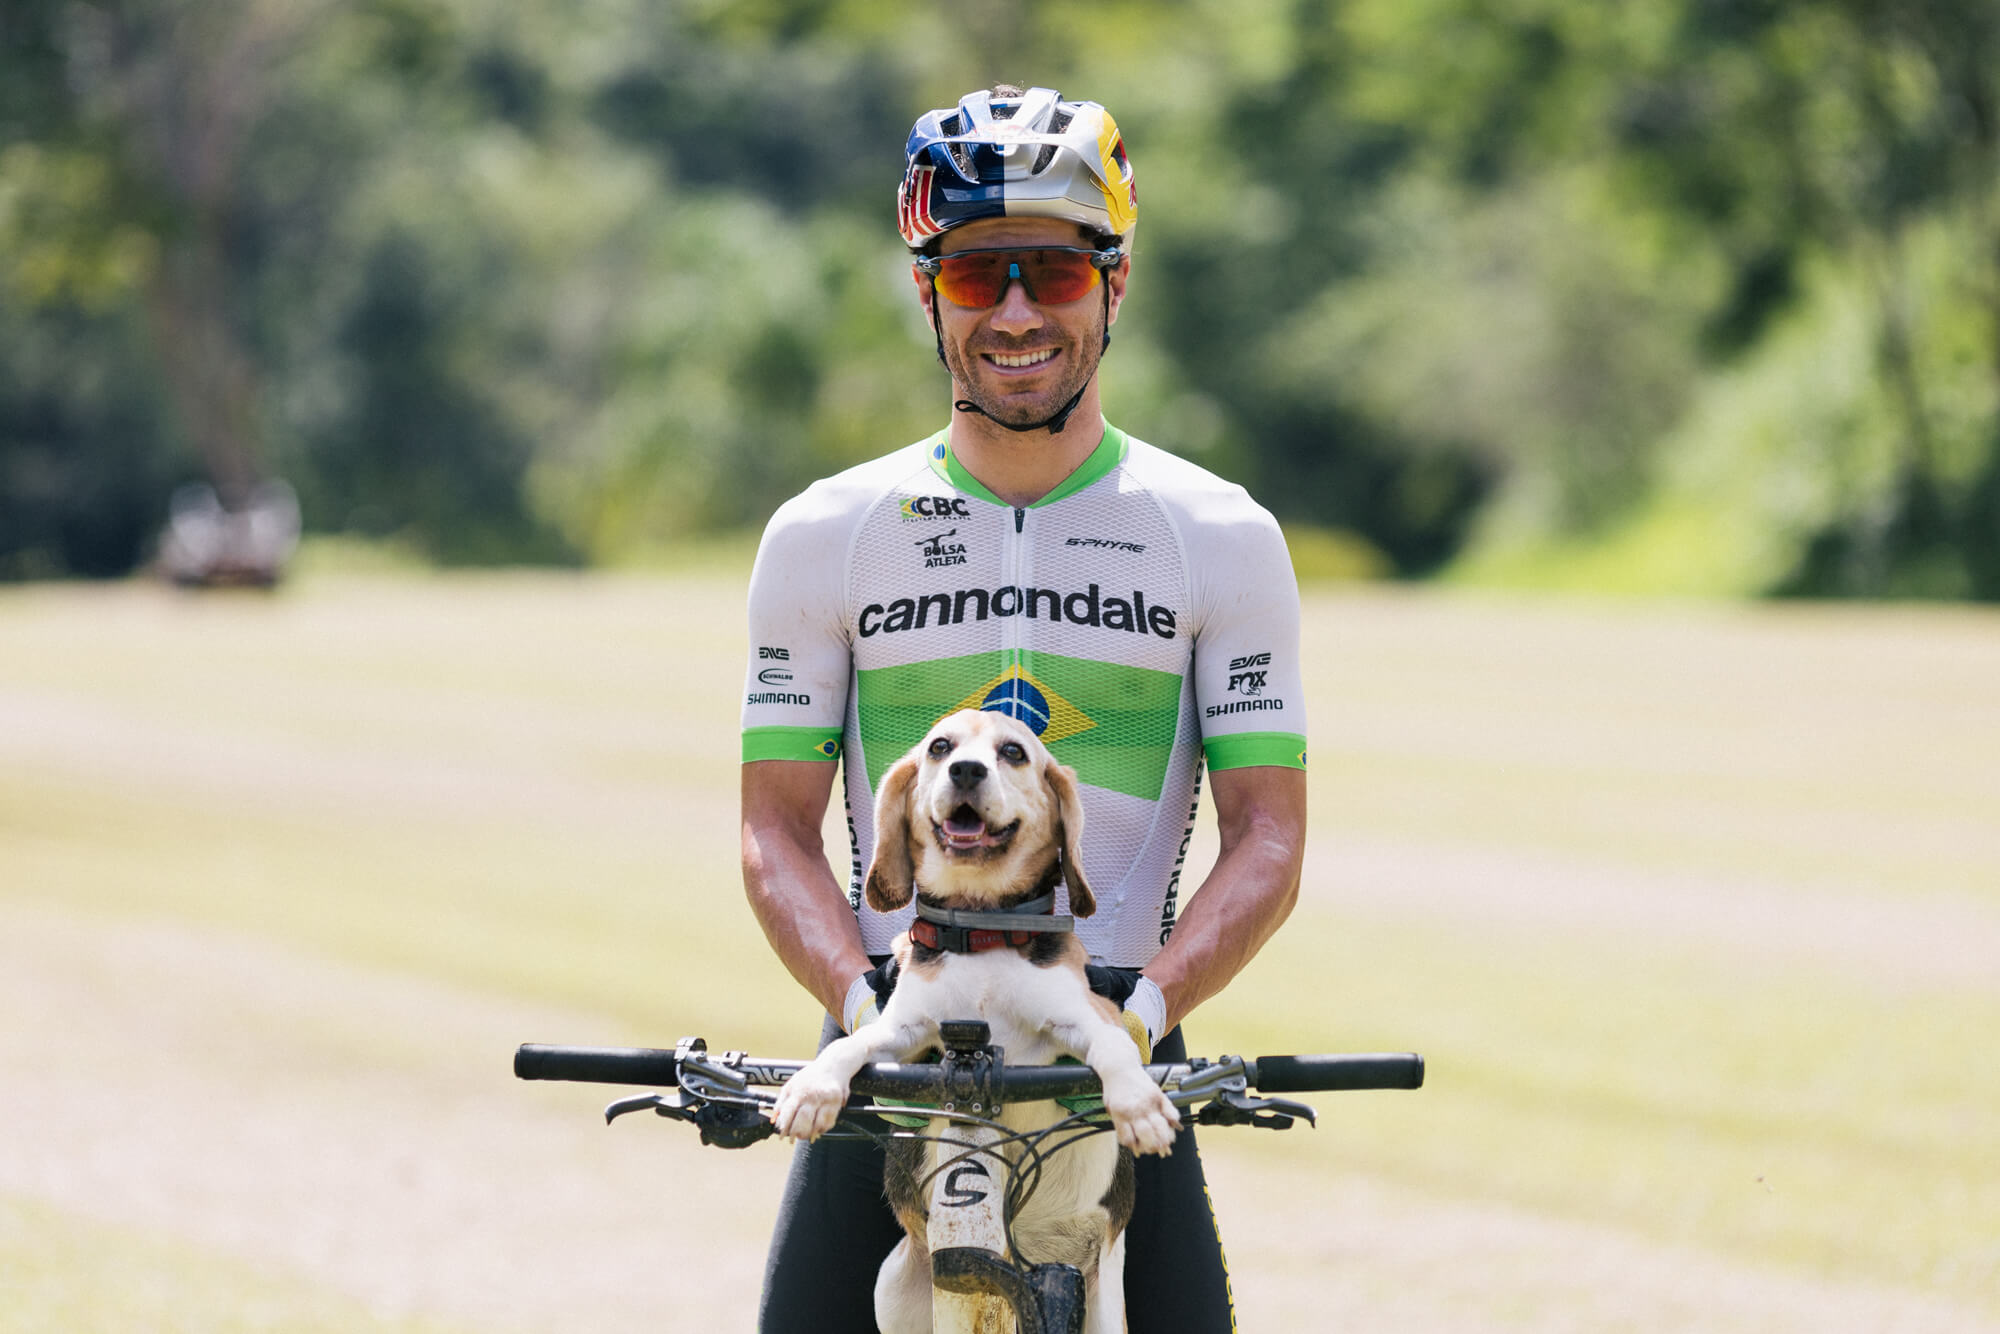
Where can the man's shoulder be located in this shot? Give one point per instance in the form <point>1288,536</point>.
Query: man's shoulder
<point>848,493</point>
<point>1191,493</point>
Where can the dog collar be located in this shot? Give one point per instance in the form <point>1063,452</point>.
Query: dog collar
<point>959,931</point>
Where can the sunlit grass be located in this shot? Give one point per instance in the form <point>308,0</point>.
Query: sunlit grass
<point>525,787</point>
<point>63,1273</point>
<point>1780,1111</point>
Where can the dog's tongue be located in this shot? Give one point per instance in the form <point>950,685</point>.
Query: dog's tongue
<point>964,829</point>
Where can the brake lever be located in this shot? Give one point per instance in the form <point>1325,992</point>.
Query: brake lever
<point>1230,1108</point>
<point>726,1125</point>
<point>666,1106</point>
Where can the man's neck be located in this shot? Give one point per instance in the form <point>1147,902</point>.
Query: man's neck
<point>1020,467</point>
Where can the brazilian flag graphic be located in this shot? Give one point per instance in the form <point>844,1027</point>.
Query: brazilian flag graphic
<point>1114,725</point>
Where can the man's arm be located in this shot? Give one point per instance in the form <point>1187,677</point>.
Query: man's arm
<point>1261,814</point>
<point>802,908</point>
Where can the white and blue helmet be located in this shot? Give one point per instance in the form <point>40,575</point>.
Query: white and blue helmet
<point>1004,154</point>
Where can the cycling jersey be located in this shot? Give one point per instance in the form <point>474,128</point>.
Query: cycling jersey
<point>1142,618</point>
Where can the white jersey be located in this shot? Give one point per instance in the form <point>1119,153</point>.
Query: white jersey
<point>1141,617</point>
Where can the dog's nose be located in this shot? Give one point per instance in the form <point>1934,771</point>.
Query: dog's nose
<point>967,774</point>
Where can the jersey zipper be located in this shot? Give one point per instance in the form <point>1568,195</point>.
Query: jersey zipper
<point>1019,567</point>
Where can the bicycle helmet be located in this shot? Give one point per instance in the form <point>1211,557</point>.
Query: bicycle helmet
<point>1005,153</point>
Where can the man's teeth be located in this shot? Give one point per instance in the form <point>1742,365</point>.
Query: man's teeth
<point>1025,359</point>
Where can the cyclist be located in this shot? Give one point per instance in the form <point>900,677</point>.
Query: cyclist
<point>1137,611</point>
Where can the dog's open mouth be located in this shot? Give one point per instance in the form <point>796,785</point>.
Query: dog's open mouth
<point>965,829</point>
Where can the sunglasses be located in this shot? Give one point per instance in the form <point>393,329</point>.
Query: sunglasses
<point>1052,275</point>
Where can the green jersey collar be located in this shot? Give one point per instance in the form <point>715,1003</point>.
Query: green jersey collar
<point>1110,452</point>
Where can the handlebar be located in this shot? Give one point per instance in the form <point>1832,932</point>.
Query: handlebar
<point>661,1067</point>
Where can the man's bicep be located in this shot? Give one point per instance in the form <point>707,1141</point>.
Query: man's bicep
<point>796,682</point>
<point>786,796</point>
<point>1260,801</point>
<point>1248,677</point>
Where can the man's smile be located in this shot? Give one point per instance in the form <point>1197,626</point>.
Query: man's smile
<point>1009,361</point>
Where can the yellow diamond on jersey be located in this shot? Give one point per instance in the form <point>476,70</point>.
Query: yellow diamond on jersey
<point>1017,693</point>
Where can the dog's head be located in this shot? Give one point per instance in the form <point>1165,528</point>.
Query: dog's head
<point>976,813</point>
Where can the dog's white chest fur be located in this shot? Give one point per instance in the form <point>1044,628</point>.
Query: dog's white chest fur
<point>1013,996</point>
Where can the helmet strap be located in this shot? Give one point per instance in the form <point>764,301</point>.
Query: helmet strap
<point>1060,418</point>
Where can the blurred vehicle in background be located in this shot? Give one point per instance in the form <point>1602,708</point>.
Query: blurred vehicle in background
<point>206,545</point>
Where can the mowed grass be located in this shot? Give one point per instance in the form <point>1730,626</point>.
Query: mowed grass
<point>59,1273</point>
<point>1693,910</point>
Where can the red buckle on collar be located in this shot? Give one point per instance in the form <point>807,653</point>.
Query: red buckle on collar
<point>964,940</point>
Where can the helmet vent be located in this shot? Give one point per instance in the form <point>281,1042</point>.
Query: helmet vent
<point>1059,120</point>
<point>952,126</point>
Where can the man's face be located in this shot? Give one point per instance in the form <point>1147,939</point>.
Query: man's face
<point>1019,360</point>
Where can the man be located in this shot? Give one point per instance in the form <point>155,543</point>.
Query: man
<point>1138,612</point>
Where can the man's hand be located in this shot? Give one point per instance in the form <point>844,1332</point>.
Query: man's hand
<point>867,995</point>
<point>1145,1009</point>
<point>1135,1029</point>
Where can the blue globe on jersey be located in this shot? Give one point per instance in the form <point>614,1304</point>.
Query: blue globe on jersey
<point>1017,698</point>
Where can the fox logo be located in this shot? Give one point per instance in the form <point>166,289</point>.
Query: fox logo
<point>1247,683</point>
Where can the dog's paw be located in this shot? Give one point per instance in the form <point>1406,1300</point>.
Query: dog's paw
<point>808,1104</point>
<point>1145,1119</point>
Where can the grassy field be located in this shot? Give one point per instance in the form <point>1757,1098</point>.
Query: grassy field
<point>1695,912</point>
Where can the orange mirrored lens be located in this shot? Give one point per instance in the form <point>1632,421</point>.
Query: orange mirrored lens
<point>979,278</point>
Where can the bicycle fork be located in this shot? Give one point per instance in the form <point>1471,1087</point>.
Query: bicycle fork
<point>976,1288</point>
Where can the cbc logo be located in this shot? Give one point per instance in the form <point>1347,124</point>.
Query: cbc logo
<point>935,507</point>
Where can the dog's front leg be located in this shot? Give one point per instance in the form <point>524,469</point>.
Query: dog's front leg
<point>1145,1120</point>
<point>811,1100</point>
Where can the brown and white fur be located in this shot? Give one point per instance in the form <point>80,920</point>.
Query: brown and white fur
<point>974,817</point>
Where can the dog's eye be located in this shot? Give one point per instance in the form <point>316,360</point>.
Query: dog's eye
<point>1012,750</point>
<point>941,746</point>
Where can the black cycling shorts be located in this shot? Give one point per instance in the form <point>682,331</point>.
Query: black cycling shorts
<point>834,1230</point>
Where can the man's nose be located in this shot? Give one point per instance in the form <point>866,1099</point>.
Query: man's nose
<point>967,774</point>
<point>1015,313</point>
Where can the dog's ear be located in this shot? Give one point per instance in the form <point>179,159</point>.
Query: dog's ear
<point>1069,814</point>
<point>891,876</point>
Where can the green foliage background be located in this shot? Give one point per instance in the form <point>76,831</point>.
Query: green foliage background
<point>1689,296</point>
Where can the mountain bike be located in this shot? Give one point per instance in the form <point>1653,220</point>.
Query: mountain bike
<point>988,1170</point>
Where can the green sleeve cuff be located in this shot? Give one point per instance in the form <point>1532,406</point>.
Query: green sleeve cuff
<point>791,743</point>
<point>1244,750</point>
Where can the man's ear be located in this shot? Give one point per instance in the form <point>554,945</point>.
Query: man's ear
<point>1114,279</point>
<point>1069,812</point>
<point>891,876</point>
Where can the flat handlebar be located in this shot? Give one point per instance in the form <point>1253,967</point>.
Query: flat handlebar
<point>660,1067</point>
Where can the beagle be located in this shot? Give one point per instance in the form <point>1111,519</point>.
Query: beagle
<point>978,817</point>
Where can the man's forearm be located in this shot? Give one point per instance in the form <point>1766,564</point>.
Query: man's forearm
<point>792,892</point>
<point>808,922</point>
<point>1247,895</point>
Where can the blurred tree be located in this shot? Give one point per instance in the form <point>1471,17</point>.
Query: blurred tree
<point>1844,127</point>
<point>508,282</point>
<point>85,455</point>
